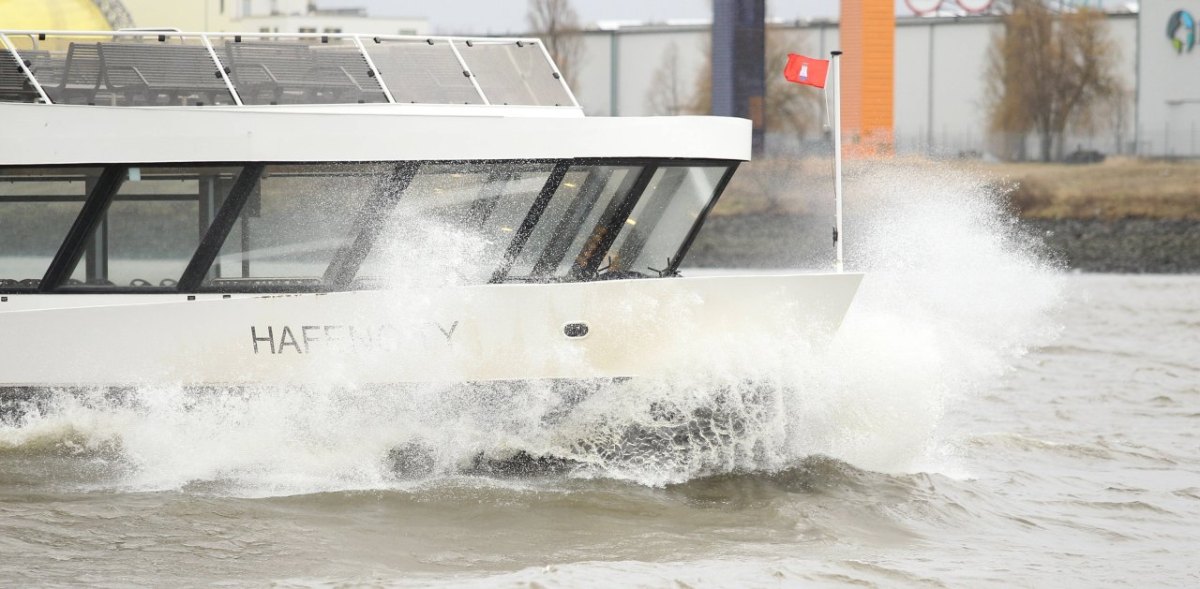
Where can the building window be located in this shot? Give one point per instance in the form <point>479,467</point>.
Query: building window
<point>304,30</point>
<point>333,30</point>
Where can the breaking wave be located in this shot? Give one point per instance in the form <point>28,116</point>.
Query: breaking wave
<point>953,293</point>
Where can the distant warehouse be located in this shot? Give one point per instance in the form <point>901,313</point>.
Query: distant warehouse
<point>940,71</point>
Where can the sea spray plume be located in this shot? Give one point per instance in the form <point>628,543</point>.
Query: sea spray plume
<point>954,292</point>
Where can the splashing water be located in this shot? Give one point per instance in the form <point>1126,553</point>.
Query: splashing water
<point>953,294</point>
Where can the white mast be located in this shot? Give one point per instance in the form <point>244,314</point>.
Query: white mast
<point>837,155</point>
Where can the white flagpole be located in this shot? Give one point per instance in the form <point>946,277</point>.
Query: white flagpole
<point>837,155</point>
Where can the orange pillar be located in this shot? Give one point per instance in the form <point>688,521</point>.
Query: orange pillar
<point>868,37</point>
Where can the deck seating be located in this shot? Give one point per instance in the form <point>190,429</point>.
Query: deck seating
<point>162,74</point>
<point>14,85</point>
<point>349,62</point>
<point>287,73</point>
<point>77,78</point>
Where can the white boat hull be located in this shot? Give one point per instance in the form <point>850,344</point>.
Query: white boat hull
<point>477,333</point>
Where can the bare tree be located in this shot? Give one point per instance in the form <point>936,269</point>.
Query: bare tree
<point>1047,71</point>
<point>666,95</point>
<point>788,109</point>
<point>557,24</point>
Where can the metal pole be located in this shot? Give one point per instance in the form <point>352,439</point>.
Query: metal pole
<point>233,92</point>
<point>614,73</point>
<point>837,155</point>
<point>929,93</point>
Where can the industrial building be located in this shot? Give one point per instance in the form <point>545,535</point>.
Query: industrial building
<point>940,67</point>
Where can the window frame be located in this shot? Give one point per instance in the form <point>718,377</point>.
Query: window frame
<point>113,175</point>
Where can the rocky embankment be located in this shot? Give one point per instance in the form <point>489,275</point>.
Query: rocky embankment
<point>1089,245</point>
<point>1122,245</point>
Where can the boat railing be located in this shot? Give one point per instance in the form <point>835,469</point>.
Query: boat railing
<point>171,68</point>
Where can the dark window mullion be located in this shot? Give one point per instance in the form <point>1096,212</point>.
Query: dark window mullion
<point>219,229</point>
<point>89,218</point>
<point>695,230</point>
<point>615,224</point>
<point>563,236</point>
<point>489,195</point>
<point>524,232</point>
<point>370,223</point>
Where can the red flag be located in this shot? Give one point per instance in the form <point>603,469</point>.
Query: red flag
<point>806,70</point>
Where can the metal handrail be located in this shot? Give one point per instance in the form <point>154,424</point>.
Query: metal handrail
<point>414,38</point>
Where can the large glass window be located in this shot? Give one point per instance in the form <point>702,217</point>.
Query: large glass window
<point>663,217</point>
<point>458,218</point>
<point>311,227</point>
<point>152,227</point>
<point>37,208</point>
<point>296,222</point>
<point>587,194</point>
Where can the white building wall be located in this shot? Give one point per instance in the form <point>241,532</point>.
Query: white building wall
<point>941,66</point>
<point>1168,110</point>
<point>322,23</point>
<point>249,16</point>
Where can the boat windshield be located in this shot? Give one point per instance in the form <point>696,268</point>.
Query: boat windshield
<point>318,227</point>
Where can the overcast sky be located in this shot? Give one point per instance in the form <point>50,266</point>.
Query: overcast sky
<point>508,16</point>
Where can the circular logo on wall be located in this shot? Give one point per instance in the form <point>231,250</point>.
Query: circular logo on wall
<point>1181,30</point>
<point>923,7</point>
<point>975,6</point>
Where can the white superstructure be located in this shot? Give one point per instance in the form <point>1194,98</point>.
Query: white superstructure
<point>206,209</point>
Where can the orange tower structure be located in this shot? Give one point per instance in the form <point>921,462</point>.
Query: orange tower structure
<point>868,37</point>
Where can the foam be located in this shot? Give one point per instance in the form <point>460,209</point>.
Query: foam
<point>954,294</point>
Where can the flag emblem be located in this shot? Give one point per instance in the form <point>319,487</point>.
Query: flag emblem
<point>806,70</point>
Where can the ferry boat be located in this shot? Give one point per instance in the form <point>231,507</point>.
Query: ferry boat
<point>204,209</point>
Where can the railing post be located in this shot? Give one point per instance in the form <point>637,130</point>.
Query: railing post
<point>237,99</point>
<point>554,66</point>
<point>374,70</point>
<point>25,69</point>
<point>467,71</point>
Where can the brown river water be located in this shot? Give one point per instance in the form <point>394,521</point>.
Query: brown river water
<point>982,419</point>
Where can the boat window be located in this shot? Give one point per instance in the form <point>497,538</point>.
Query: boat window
<point>512,72</point>
<point>422,72</point>
<point>37,208</point>
<point>293,225</point>
<point>152,227</point>
<point>586,195</point>
<point>457,219</point>
<point>672,204</point>
<point>274,70</point>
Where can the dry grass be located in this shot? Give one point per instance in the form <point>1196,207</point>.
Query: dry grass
<point>1120,188</point>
